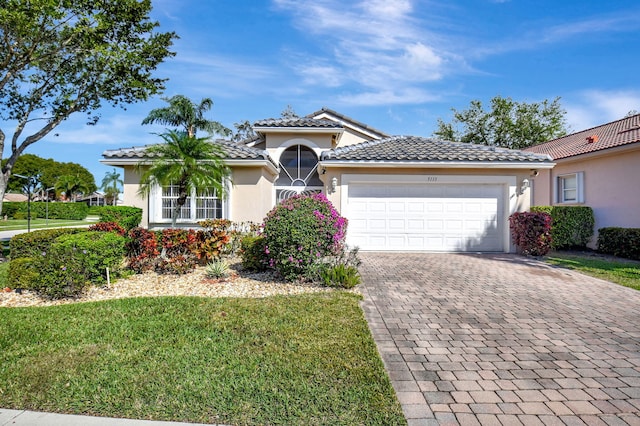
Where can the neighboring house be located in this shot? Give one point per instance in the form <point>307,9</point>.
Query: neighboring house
<point>9,196</point>
<point>597,167</point>
<point>398,192</point>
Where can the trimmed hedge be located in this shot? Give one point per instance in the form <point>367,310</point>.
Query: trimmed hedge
<point>572,226</point>
<point>622,242</point>
<point>127,217</point>
<point>65,211</point>
<point>33,244</point>
<point>69,263</point>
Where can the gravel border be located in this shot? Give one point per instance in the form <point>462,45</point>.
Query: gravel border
<point>150,284</point>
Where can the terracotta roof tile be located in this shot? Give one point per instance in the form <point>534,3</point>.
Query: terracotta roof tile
<point>617,133</point>
<point>419,149</point>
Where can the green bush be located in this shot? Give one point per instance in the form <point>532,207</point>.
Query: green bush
<point>252,251</point>
<point>95,210</point>
<point>52,210</point>
<point>572,226</point>
<point>23,273</point>
<point>622,242</point>
<point>33,244</point>
<point>78,260</point>
<point>531,232</point>
<point>127,217</point>
<point>340,275</point>
<point>300,231</point>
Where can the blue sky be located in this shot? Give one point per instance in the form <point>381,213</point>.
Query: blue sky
<point>396,65</point>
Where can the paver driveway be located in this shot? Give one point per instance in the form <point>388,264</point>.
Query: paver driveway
<point>503,340</point>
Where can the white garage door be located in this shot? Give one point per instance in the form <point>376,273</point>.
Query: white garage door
<point>430,217</point>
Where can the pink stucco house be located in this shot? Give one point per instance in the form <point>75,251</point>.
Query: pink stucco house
<point>597,167</point>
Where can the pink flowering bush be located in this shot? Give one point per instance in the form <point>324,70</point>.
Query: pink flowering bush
<point>300,231</point>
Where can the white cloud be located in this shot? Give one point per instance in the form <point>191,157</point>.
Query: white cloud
<point>595,107</point>
<point>376,45</point>
<point>388,97</point>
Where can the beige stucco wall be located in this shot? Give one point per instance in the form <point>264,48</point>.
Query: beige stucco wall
<point>611,186</point>
<point>251,195</point>
<point>130,193</point>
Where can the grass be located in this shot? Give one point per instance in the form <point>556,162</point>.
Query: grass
<point>306,359</point>
<point>619,271</point>
<point>16,224</point>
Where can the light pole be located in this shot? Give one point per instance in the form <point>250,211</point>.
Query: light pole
<point>30,181</point>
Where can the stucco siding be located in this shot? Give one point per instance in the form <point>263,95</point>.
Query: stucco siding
<point>251,196</point>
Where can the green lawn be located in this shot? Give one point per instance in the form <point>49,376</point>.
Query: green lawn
<point>306,359</point>
<point>619,271</point>
<point>15,224</point>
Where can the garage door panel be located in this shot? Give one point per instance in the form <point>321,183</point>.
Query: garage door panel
<point>437,217</point>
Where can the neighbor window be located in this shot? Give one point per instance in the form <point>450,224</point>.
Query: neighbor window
<point>199,206</point>
<point>570,188</point>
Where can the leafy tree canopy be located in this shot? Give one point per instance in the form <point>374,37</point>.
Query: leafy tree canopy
<point>47,171</point>
<point>507,124</point>
<point>58,58</point>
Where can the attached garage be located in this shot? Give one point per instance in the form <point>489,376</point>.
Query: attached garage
<point>426,213</point>
<point>418,194</point>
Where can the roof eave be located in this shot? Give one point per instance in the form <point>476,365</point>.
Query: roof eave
<point>230,162</point>
<point>442,164</point>
<point>268,129</point>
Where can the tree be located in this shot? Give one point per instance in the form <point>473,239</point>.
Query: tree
<point>508,124</point>
<point>111,183</point>
<point>244,130</point>
<point>183,112</point>
<point>187,162</point>
<point>58,58</point>
<point>71,186</point>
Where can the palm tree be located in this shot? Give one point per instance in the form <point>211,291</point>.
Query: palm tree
<point>111,185</point>
<point>71,186</point>
<point>190,163</point>
<point>183,112</point>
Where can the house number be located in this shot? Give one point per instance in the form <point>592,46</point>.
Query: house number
<point>432,179</point>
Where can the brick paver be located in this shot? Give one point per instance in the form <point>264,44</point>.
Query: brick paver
<point>503,340</point>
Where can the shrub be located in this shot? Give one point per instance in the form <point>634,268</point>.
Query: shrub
<point>531,232</point>
<point>337,271</point>
<point>33,244</point>
<point>178,254</point>
<point>252,251</point>
<point>218,269</point>
<point>213,240</point>
<point>301,230</point>
<point>622,242</point>
<point>74,262</point>
<point>142,249</point>
<point>127,217</point>
<point>572,226</point>
<point>23,273</point>
<point>108,227</point>
<point>52,210</point>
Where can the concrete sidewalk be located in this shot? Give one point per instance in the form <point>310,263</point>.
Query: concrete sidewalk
<point>33,418</point>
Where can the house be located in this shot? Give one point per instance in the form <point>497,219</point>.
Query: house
<point>597,167</point>
<point>398,192</point>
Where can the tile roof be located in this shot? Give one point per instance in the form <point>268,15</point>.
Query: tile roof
<point>233,150</point>
<point>347,119</point>
<point>617,133</point>
<point>298,122</point>
<point>419,149</point>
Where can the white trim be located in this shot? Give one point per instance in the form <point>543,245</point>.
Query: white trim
<point>277,152</point>
<point>298,130</point>
<point>579,188</point>
<point>509,184</point>
<point>155,207</point>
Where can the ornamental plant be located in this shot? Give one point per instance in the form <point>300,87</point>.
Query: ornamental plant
<point>531,232</point>
<point>300,231</point>
<point>142,249</point>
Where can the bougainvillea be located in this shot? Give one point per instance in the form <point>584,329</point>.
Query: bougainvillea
<point>300,231</point>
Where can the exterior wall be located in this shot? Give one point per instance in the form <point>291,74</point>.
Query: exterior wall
<point>130,196</point>
<point>277,143</point>
<point>515,201</point>
<point>252,194</point>
<point>351,138</point>
<point>610,187</point>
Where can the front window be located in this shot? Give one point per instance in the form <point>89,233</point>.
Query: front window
<point>299,173</point>
<point>570,188</point>
<point>199,206</point>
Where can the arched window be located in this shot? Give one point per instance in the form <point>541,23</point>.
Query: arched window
<point>298,172</point>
